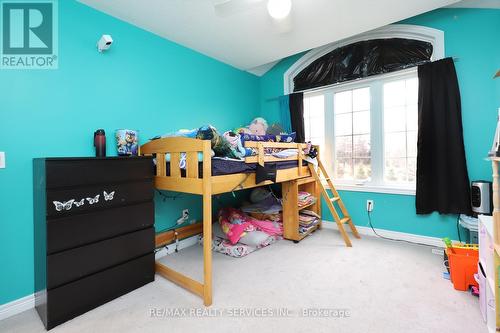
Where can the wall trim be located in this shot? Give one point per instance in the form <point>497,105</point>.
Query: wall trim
<point>17,306</point>
<point>367,231</point>
<point>417,32</point>
<point>375,189</point>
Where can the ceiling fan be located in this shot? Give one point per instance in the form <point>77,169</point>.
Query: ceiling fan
<point>278,10</point>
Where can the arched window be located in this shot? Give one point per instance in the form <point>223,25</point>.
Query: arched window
<point>415,42</point>
<point>360,104</point>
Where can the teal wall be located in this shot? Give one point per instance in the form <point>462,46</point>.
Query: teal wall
<point>472,36</point>
<point>143,82</point>
<point>147,83</point>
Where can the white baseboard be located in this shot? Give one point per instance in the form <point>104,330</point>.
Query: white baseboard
<point>169,249</point>
<point>367,231</point>
<point>17,306</point>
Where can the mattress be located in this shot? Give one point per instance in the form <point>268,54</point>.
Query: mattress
<point>227,167</point>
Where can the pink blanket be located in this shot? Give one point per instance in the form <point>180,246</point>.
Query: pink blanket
<point>235,224</point>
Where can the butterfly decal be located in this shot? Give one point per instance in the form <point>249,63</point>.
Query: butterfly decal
<point>79,203</point>
<point>109,196</point>
<point>66,205</point>
<point>94,199</point>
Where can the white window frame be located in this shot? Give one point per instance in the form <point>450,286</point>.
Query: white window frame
<point>375,83</point>
<point>433,36</point>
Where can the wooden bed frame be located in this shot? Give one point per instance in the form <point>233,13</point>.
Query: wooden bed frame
<point>207,186</point>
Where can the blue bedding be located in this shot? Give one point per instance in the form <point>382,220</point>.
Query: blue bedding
<point>227,167</point>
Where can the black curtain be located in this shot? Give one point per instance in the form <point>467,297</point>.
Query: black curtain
<point>297,115</point>
<point>442,179</point>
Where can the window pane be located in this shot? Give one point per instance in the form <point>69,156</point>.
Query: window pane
<point>317,141</point>
<point>343,102</point>
<point>394,119</point>
<point>362,168</point>
<point>316,106</point>
<point>412,169</point>
<point>361,99</point>
<point>395,93</point>
<point>352,134</point>
<point>395,170</point>
<point>343,168</point>
<point>314,118</point>
<point>343,124</point>
<point>343,146</point>
<point>400,130</point>
<point>411,144</point>
<point>317,126</point>
<point>361,122</point>
<point>395,144</point>
<point>412,118</point>
<point>412,91</point>
<point>361,146</point>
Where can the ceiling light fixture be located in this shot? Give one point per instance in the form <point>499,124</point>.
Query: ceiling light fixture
<point>279,9</point>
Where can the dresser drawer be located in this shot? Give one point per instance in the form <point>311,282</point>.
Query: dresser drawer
<point>78,297</point>
<point>63,202</point>
<point>91,171</point>
<point>80,229</point>
<point>67,266</point>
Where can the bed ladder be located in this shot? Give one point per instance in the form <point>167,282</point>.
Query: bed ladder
<point>321,175</point>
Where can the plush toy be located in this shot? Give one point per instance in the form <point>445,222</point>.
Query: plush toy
<point>258,126</point>
<point>235,140</point>
<point>220,145</point>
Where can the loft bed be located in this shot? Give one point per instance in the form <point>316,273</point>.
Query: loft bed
<point>197,178</point>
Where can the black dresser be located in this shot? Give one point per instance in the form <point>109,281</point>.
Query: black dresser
<point>93,230</point>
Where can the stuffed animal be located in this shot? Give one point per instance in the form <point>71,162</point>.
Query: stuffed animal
<point>220,145</point>
<point>235,140</point>
<point>258,126</point>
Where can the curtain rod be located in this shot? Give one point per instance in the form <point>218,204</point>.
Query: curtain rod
<point>455,59</point>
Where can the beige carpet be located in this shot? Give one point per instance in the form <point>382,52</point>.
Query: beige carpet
<point>382,286</point>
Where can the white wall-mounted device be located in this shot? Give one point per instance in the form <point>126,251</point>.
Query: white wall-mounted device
<point>104,43</point>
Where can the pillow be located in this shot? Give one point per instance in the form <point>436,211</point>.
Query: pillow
<point>255,239</point>
<point>224,246</point>
<point>268,137</point>
<point>286,137</point>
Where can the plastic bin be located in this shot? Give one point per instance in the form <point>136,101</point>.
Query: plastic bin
<point>471,224</point>
<point>463,265</point>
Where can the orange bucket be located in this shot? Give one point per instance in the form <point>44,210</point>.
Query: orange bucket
<point>463,266</point>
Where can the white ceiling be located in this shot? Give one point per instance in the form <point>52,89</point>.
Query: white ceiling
<point>248,39</point>
<point>495,4</point>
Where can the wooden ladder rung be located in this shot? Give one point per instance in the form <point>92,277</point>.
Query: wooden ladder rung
<point>336,198</point>
<point>345,219</point>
